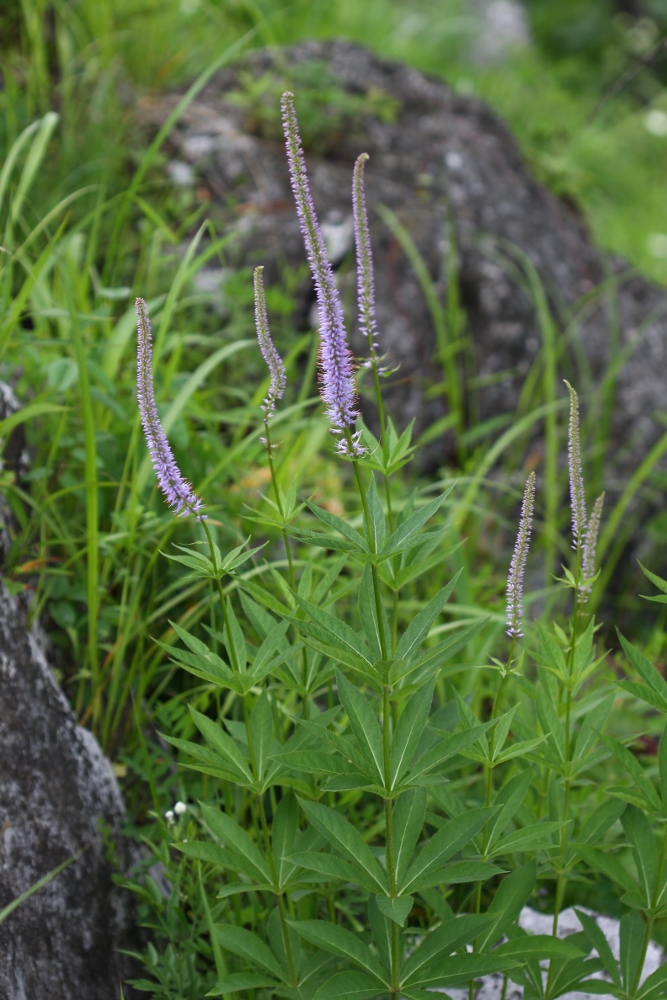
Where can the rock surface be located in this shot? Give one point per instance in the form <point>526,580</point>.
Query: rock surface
<point>56,790</point>
<point>445,165</point>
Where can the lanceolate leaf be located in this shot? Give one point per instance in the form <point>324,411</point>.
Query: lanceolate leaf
<point>333,867</point>
<point>232,836</point>
<point>238,981</point>
<point>332,521</point>
<point>336,631</point>
<point>376,629</point>
<point>649,674</point>
<point>376,514</point>
<point>407,532</point>
<point>634,769</point>
<point>260,729</point>
<point>421,625</point>
<point>343,836</point>
<point>223,744</point>
<point>408,820</point>
<point>249,946</point>
<point>443,941</point>
<point>447,748</point>
<point>349,986</point>
<point>409,731</point>
<point>449,839</point>
<point>364,725</point>
<point>339,941</point>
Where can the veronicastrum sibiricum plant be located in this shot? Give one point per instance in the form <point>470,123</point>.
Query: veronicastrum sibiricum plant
<point>374,810</point>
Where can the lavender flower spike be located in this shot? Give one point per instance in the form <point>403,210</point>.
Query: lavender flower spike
<point>518,564</point>
<point>269,353</point>
<point>176,489</point>
<point>590,544</point>
<point>362,239</point>
<point>577,495</point>
<point>338,388</point>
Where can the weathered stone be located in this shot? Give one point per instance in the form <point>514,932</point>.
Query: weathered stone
<point>445,164</point>
<point>57,790</point>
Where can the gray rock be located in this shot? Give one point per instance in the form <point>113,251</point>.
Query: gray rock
<point>56,789</point>
<point>444,164</point>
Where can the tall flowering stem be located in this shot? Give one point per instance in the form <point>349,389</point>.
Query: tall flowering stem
<point>269,353</point>
<point>276,389</point>
<point>365,278</point>
<point>590,545</point>
<point>338,388</point>
<point>577,495</point>
<point>177,490</point>
<point>518,563</point>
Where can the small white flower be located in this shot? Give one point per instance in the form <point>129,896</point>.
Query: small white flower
<point>180,808</point>
<point>655,122</point>
<point>169,816</point>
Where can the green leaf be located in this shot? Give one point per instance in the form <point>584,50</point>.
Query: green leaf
<point>396,909</point>
<point>631,950</point>
<point>406,533</point>
<point>655,985</point>
<point>609,865</point>
<point>510,798</point>
<point>408,732</point>
<point>662,769</point>
<point>234,640</point>
<point>339,941</point>
<point>649,674</point>
<point>334,867</point>
<point>335,631</point>
<point>319,762</point>
<point>338,524</point>
<point>238,981</point>
<point>436,656</point>
<point>510,898</point>
<point>212,854</point>
<point>528,838</point>
<point>262,657</point>
<point>260,730</point>
<point>644,850</point>
<point>457,872</point>
<point>376,514</point>
<point>249,946</point>
<point>376,631</point>
<point>601,821</point>
<point>449,839</point>
<point>408,821</point>
<point>342,835</point>
<point>229,833</point>
<point>448,747</point>
<point>550,722</point>
<point>599,942</point>
<point>421,624</point>
<point>364,725</point>
<point>222,743</point>
<point>443,940</point>
<point>537,946</point>
<point>635,770</point>
<point>349,986</point>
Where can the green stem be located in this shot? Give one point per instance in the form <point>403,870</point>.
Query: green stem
<point>389,834</point>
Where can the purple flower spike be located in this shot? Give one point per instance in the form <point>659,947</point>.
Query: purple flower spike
<point>177,490</point>
<point>590,545</point>
<point>577,495</point>
<point>362,239</point>
<point>269,353</point>
<point>338,388</point>
<point>518,564</point>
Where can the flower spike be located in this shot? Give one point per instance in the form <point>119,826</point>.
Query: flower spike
<point>577,495</point>
<point>362,239</point>
<point>338,388</point>
<point>518,564</point>
<point>178,492</point>
<point>269,353</point>
<point>590,544</point>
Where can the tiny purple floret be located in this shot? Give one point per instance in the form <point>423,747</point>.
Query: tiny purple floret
<point>178,492</point>
<point>577,494</point>
<point>590,545</point>
<point>338,387</point>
